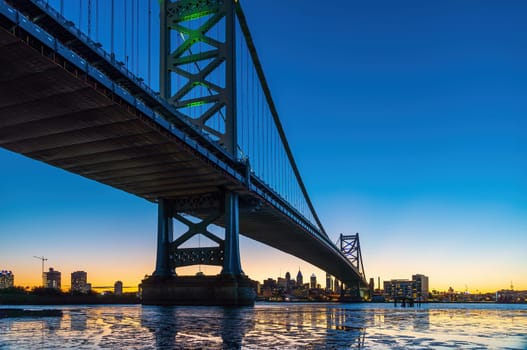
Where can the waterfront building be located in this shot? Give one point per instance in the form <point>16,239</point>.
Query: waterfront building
<point>511,296</point>
<point>421,286</point>
<point>51,279</point>
<point>299,279</point>
<point>416,288</point>
<point>313,281</point>
<point>79,282</point>
<point>399,288</point>
<point>7,279</point>
<point>118,288</point>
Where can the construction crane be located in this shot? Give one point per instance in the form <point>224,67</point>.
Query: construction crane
<point>41,258</point>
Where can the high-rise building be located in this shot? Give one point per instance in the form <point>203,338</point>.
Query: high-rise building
<point>288,281</point>
<point>7,279</point>
<point>313,281</point>
<point>79,282</point>
<point>281,282</point>
<point>299,279</point>
<point>51,279</point>
<point>371,286</point>
<point>421,285</point>
<point>329,283</point>
<point>118,288</point>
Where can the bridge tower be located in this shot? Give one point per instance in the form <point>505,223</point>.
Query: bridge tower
<point>198,78</point>
<point>350,246</point>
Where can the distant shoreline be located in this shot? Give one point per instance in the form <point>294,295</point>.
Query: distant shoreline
<point>67,299</point>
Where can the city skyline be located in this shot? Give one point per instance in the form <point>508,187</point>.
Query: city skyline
<point>406,121</point>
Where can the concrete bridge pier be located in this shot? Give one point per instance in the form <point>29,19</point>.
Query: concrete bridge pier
<point>230,287</point>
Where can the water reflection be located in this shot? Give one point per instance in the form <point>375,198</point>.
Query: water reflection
<point>50,325</point>
<point>234,328</point>
<point>311,325</point>
<point>197,327</point>
<point>78,320</point>
<point>354,326</point>
<point>421,320</point>
<point>236,323</point>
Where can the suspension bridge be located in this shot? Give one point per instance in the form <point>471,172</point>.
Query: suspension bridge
<point>166,100</point>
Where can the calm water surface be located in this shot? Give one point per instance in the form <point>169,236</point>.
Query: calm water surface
<point>273,326</point>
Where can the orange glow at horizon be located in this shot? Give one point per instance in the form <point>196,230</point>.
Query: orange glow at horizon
<point>259,262</point>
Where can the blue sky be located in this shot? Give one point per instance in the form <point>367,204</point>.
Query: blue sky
<point>409,126</point>
<point>407,120</point>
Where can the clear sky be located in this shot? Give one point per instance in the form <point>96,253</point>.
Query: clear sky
<point>407,120</point>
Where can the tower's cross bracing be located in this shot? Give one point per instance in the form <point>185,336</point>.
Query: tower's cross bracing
<point>197,75</point>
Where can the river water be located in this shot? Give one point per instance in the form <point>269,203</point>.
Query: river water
<point>272,326</point>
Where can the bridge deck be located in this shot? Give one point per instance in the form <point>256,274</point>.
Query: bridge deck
<point>52,112</point>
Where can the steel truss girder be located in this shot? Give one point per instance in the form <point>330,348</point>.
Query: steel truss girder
<point>185,10</point>
<point>197,256</point>
<point>226,254</point>
<point>197,67</point>
<point>192,204</point>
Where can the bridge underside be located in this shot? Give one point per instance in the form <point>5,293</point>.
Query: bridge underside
<point>51,112</point>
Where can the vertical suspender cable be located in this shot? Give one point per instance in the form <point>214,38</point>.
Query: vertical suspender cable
<point>284,160</point>
<point>253,126</point>
<point>97,20</point>
<point>149,73</point>
<point>137,38</point>
<point>89,19</point>
<point>247,102</point>
<point>80,15</point>
<point>269,145</point>
<point>112,29</point>
<point>132,43</point>
<point>259,130</point>
<point>135,24</point>
<point>240,97</point>
<point>262,134</point>
<point>241,106</point>
<point>264,130</point>
<point>124,34</point>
